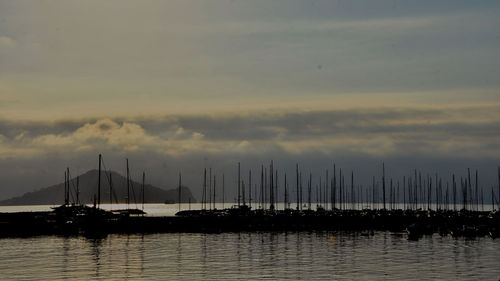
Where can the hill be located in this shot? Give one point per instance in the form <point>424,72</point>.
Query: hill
<point>54,195</point>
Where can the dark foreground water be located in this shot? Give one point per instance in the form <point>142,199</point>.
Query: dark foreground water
<point>315,255</point>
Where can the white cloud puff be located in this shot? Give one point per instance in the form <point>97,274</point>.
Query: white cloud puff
<point>106,133</point>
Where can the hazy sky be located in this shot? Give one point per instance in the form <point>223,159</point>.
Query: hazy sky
<point>179,85</point>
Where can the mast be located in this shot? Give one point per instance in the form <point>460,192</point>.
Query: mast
<point>440,194</point>
<point>250,187</point>
<point>390,194</point>
<point>477,193</point>
<point>223,191</point>
<point>437,192</point>
<point>404,193</point>
<point>210,188</point>
<point>204,197</point>
<point>110,189</point>
<point>416,190</point>
<point>262,187</point>
<point>326,189</point>
<point>321,199</point>
<point>65,188</point>
<point>243,197</point>
<point>128,186</point>
<point>464,192</point>
<point>352,189</point>
<point>429,194</point>
<point>214,190</point>
<point>492,199</point>
<point>271,186</point>
<point>309,187</point>
<point>317,196</point>
<point>67,194</point>
<point>429,180</point>
<point>301,191</point>
<point>420,186</point>
<point>373,192</point>
<point>447,195</point>
<point>334,187</point>
<point>243,193</point>
<point>383,182</point>
<point>454,194</point>
<point>180,184</point>
<point>143,181</point>
<point>239,181</point>
<point>343,194</point>
<point>276,188</point>
<point>471,196</point>
<point>77,189</point>
<point>340,190</point>
<point>297,170</point>
<point>398,200</point>
<point>98,184</point>
<point>286,196</point>
<point>265,188</point>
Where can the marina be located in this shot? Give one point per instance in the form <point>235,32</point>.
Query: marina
<point>420,214</point>
<point>85,220</point>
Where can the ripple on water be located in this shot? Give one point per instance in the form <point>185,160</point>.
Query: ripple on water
<point>305,255</point>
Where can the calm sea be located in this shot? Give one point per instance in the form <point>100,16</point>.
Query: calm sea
<point>231,256</point>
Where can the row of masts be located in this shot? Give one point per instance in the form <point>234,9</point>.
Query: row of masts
<point>414,191</point>
<point>417,192</point>
<point>75,196</point>
<point>67,189</point>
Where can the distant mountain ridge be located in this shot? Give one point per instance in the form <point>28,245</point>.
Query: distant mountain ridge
<point>54,195</point>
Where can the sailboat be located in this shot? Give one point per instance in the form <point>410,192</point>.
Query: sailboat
<point>131,211</point>
<point>74,213</point>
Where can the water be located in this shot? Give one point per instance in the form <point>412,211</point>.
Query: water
<point>171,209</point>
<point>231,256</point>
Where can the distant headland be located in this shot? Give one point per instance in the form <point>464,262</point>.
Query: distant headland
<point>87,182</point>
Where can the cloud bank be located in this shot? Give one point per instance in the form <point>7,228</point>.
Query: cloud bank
<point>434,139</point>
<point>463,132</point>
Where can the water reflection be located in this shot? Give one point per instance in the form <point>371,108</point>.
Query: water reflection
<point>95,245</point>
<point>65,255</point>
<point>141,253</point>
<point>127,251</point>
<point>314,255</point>
<point>204,252</point>
<point>179,253</point>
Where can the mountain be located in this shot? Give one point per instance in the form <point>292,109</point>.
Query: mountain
<point>54,195</point>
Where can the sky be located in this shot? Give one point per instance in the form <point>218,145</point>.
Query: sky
<point>177,86</point>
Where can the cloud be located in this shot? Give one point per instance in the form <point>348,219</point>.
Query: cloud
<point>104,133</point>
<point>454,131</point>
<point>236,54</point>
